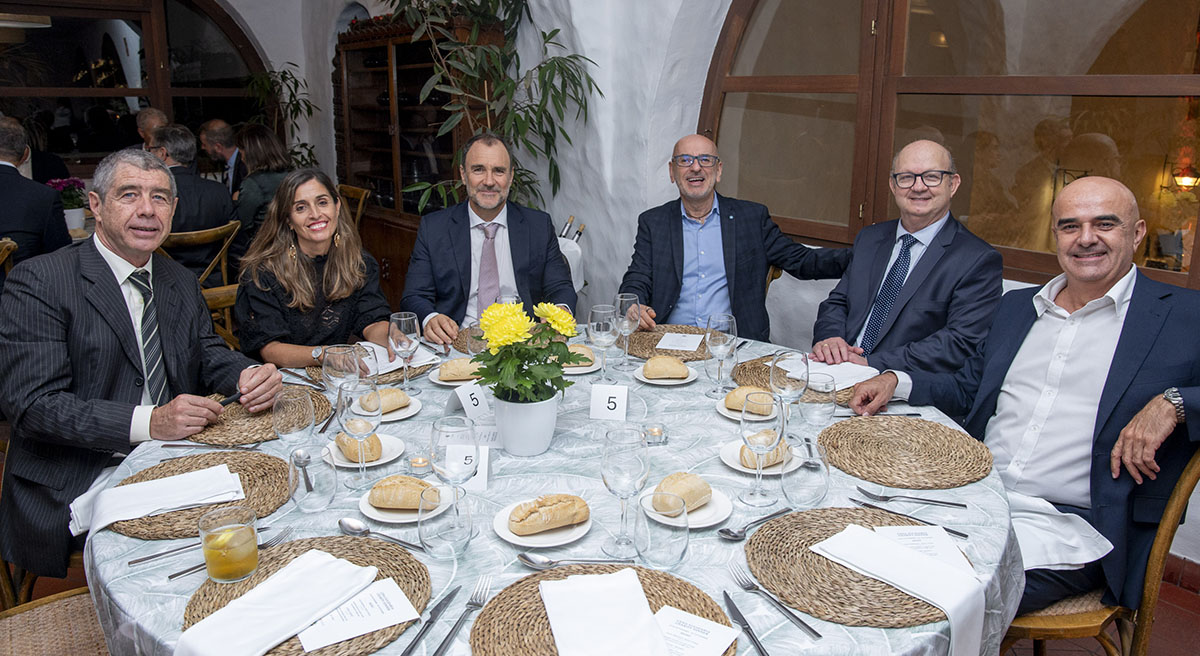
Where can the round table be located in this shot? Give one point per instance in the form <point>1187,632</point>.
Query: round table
<point>141,612</point>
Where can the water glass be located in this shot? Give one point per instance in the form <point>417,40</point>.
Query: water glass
<point>629,316</point>
<point>511,299</point>
<point>340,364</point>
<point>312,480</point>
<point>662,538</point>
<point>602,333</point>
<point>292,415</point>
<point>761,437</point>
<point>444,532</point>
<point>358,422</point>
<point>820,400</point>
<point>404,333</point>
<point>789,379</point>
<point>720,335</point>
<point>230,543</point>
<point>806,485</point>
<point>473,333</point>
<point>624,469</point>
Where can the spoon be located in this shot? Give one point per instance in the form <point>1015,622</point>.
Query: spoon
<point>739,534</point>
<point>538,561</point>
<point>302,460</point>
<point>355,528</point>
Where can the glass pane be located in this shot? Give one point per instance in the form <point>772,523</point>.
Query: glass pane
<point>1015,153</point>
<point>792,152</point>
<point>800,37</point>
<point>73,52</point>
<point>194,111</point>
<point>200,53</point>
<point>1063,37</point>
<point>424,156</point>
<point>80,127</point>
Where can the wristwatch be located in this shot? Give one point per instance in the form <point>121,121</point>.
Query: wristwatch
<point>317,352</point>
<point>1172,395</point>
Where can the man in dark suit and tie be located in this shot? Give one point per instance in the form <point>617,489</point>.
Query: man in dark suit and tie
<point>33,213</point>
<point>1096,370</point>
<point>920,290</point>
<point>90,370</point>
<point>704,253</point>
<point>203,204</point>
<point>217,139</point>
<point>468,256</point>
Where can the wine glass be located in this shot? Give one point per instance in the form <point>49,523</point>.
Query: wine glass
<point>602,333</point>
<point>358,422</point>
<point>760,441</point>
<point>292,415</point>
<point>454,454</point>
<point>789,379</point>
<point>404,333</point>
<point>720,334</point>
<point>629,314</point>
<point>624,468</point>
<point>509,299</point>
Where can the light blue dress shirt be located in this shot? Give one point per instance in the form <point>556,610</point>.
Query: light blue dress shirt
<point>229,170</point>
<point>705,290</point>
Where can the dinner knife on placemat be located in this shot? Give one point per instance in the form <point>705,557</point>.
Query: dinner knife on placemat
<point>864,504</point>
<point>438,608</point>
<point>740,620</point>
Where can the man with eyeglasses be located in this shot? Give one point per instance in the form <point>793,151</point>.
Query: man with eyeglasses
<point>705,253</point>
<point>920,290</point>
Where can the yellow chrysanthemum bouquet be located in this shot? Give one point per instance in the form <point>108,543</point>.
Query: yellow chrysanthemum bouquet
<point>524,361</point>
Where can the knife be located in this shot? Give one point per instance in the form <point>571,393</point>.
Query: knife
<point>433,615</point>
<point>881,414</point>
<point>740,620</point>
<point>864,504</point>
<point>444,348</point>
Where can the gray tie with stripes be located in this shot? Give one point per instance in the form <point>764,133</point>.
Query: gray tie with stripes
<point>156,373</point>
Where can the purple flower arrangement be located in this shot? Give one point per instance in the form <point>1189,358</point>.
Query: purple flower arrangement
<point>71,189</point>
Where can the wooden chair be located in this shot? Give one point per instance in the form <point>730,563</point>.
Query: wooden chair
<point>356,198</point>
<point>220,300</point>
<point>774,273</point>
<point>1083,616</point>
<point>63,624</point>
<point>7,248</point>
<point>220,261</point>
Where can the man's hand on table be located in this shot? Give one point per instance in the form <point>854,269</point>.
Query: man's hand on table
<point>646,318</point>
<point>835,350</point>
<point>872,395</point>
<point>184,416</point>
<point>1140,439</point>
<point>441,329</point>
<point>258,386</point>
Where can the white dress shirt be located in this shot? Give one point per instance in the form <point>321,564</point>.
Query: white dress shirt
<point>923,236</point>
<point>504,264</point>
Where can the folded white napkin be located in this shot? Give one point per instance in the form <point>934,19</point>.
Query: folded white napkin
<point>198,488</point>
<point>574,256</point>
<point>1050,539</point>
<point>845,375</point>
<point>602,614</point>
<point>304,591</point>
<point>381,365</point>
<point>958,594</point>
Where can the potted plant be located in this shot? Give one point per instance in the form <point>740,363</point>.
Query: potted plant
<point>523,363</point>
<point>73,199</point>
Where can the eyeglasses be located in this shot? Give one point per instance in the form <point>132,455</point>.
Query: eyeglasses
<point>930,178</point>
<point>684,161</point>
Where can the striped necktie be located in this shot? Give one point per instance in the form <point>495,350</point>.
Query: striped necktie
<point>888,294</point>
<point>489,272</point>
<point>156,372</point>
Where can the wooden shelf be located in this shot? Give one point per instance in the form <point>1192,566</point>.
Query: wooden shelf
<point>422,154</point>
<point>375,149</point>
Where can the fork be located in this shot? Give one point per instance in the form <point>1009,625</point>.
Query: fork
<point>280,537</point>
<point>743,579</point>
<point>303,380</point>
<point>888,497</point>
<point>478,597</point>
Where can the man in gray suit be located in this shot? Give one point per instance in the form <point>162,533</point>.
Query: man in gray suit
<point>90,371</point>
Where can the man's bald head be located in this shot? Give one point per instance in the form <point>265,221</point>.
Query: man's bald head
<point>697,183</point>
<point>1097,229</point>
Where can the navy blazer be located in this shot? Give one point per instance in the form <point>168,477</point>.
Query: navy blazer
<point>32,216</point>
<point>943,311</point>
<point>751,242</point>
<point>72,377</point>
<point>1157,349</point>
<point>439,271</point>
<point>203,204</point>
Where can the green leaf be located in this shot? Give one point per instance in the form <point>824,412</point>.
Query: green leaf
<point>428,87</point>
<point>449,124</point>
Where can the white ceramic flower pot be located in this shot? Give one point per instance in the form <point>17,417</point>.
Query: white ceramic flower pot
<point>74,218</point>
<point>526,428</point>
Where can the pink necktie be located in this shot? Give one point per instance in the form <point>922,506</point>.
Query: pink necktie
<point>489,273</point>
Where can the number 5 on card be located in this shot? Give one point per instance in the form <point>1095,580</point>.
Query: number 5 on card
<point>609,402</point>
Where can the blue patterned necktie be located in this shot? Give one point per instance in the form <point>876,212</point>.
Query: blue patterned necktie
<point>156,373</point>
<point>888,294</point>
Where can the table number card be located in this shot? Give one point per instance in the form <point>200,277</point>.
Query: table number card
<point>609,402</point>
<point>465,454</point>
<point>473,400</point>
<point>679,342</point>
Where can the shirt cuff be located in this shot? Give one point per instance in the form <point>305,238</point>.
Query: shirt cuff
<point>429,317</point>
<point>139,428</point>
<point>903,385</point>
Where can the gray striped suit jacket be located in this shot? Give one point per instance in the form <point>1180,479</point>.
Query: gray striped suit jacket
<point>72,376</point>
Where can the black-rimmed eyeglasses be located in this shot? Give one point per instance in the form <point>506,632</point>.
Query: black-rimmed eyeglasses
<point>684,161</point>
<point>930,178</point>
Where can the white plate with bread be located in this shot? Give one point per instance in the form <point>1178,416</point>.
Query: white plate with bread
<point>586,351</point>
<point>455,372</point>
<point>550,520</point>
<point>665,370</point>
<point>381,449</point>
<point>731,455</point>
<point>396,404</point>
<point>706,506</point>
<point>395,499</point>
<point>736,415</point>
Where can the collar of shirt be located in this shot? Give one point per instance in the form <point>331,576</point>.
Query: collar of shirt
<point>1118,295</point>
<point>4,162</point>
<point>716,209</point>
<point>120,267</point>
<point>500,220</point>
<point>926,234</point>
<point>230,160</point>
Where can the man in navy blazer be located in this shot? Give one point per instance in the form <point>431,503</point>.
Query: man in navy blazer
<point>1096,370</point>
<point>705,254</point>
<point>449,266</point>
<point>947,283</point>
<point>33,213</point>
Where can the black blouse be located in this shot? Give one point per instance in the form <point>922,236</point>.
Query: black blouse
<point>263,316</point>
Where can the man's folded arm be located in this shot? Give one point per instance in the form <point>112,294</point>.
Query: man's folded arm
<point>799,260</point>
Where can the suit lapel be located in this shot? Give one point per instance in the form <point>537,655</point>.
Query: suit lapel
<point>1143,321</point>
<point>675,229</point>
<point>105,296</point>
<point>929,259</point>
<point>518,246</point>
<point>168,301</point>
<point>460,246</point>
<point>728,242</point>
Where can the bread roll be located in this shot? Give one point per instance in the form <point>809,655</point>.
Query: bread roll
<point>547,512</point>
<point>458,369</point>
<point>581,349</point>
<point>393,399</point>
<point>372,448</point>
<point>736,398</point>
<point>398,493</point>
<point>779,454</point>
<point>694,491</point>
<point>664,366</point>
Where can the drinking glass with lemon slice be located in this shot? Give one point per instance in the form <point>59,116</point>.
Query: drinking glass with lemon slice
<point>230,543</point>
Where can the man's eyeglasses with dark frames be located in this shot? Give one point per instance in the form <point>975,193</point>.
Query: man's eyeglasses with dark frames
<point>684,161</point>
<point>930,178</point>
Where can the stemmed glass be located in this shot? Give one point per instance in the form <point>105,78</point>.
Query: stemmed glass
<point>720,334</point>
<point>602,333</point>
<point>454,455</point>
<point>760,441</point>
<point>625,468</point>
<point>788,383</point>
<point>358,422</point>
<point>404,332</point>
<point>292,415</point>
<point>629,314</point>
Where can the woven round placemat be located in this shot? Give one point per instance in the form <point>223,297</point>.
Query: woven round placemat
<point>779,557</point>
<point>393,562</point>
<point>757,372</point>
<point>390,378</point>
<point>515,622</point>
<point>906,452</point>
<point>641,343</point>
<point>236,426</point>
<point>264,480</point>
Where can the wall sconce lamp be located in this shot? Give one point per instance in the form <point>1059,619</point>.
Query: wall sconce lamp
<point>1185,177</point>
